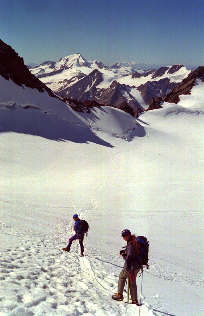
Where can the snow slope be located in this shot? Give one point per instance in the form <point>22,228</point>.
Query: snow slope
<point>114,122</point>
<point>152,185</point>
<point>195,100</point>
<point>26,110</point>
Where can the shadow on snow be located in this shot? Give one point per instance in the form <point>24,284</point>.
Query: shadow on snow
<point>35,122</point>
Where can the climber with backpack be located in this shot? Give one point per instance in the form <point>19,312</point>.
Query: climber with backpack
<point>81,228</point>
<point>135,255</point>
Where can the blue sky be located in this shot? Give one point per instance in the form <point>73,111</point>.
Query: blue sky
<point>148,31</point>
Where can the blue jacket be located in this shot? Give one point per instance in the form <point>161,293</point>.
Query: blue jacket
<point>77,227</point>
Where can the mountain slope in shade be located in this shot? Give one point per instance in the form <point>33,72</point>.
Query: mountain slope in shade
<point>158,88</point>
<point>12,67</point>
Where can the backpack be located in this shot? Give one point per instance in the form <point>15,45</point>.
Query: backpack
<point>142,250</point>
<point>84,226</point>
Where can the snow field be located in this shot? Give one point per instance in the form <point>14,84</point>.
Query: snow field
<point>152,185</point>
<point>37,278</point>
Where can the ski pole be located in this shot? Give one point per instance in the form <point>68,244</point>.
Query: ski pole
<point>141,292</point>
<point>128,290</point>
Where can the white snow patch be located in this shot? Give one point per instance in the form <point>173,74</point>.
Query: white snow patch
<point>114,122</point>
<point>138,96</point>
<point>195,100</point>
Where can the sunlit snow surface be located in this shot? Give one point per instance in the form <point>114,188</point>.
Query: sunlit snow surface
<point>150,183</point>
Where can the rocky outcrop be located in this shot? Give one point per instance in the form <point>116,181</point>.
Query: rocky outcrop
<point>64,84</point>
<point>137,74</point>
<point>160,72</point>
<point>116,95</point>
<point>12,67</point>
<point>174,69</point>
<point>152,89</point>
<point>85,88</point>
<point>149,72</point>
<point>185,86</point>
<point>155,104</point>
<point>99,64</point>
<point>81,106</point>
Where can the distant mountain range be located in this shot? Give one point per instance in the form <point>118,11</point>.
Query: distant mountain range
<point>74,81</point>
<point>127,86</point>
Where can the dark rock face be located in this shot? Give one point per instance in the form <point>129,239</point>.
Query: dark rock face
<point>115,66</point>
<point>112,96</point>
<point>67,82</point>
<point>137,74</point>
<point>12,67</point>
<point>186,85</point>
<point>81,106</point>
<point>174,68</point>
<point>155,103</point>
<point>100,64</point>
<point>147,73</point>
<point>160,72</point>
<point>124,106</point>
<point>155,89</point>
<point>181,88</point>
<point>84,89</point>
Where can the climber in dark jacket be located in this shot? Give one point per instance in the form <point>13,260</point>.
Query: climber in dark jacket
<point>130,270</point>
<point>78,235</point>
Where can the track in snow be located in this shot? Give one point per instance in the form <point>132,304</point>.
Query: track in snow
<point>37,278</point>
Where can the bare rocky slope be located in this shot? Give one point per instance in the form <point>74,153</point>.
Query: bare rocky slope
<point>183,88</point>
<point>12,67</point>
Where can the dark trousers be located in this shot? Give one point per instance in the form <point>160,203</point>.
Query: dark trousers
<point>80,237</point>
<point>124,274</point>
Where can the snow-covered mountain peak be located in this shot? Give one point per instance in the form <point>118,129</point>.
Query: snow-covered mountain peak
<point>74,60</point>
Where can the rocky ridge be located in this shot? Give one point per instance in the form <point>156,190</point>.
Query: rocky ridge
<point>182,88</point>
<point>12,67</point>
